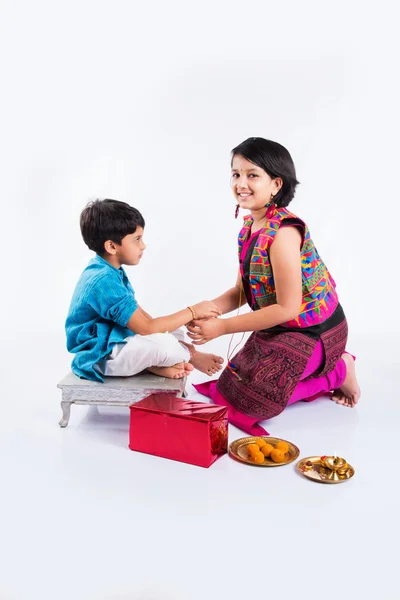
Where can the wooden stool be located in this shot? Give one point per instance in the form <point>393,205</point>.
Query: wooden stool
<point>115,391</point>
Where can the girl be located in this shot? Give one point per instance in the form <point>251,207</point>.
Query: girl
<point>297,348</point>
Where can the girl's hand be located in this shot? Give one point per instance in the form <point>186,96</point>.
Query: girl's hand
<point>206,310</point>
<point>202,332</point>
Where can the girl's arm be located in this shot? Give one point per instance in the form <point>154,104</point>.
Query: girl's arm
<point>229,300</point>
<point>286,266</point>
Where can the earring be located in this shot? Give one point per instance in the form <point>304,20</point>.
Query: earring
<point>271,201</point>
<point>237,211</point>
<point>270,206</point>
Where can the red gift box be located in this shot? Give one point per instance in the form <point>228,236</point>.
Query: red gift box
<point>167,426</point>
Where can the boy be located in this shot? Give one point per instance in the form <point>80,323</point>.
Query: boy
<point>109,333</point>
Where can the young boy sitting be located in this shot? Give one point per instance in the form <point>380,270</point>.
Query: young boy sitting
<point>109,333</point>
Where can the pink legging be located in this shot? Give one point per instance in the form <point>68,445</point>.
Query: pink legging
<point>309,390</point>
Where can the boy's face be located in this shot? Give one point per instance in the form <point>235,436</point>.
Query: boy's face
<point>131,249</point>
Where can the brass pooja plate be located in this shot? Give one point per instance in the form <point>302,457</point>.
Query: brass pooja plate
<point>317,472</point>
<point>238,451</point>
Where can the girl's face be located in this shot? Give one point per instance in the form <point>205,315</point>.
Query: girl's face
<point>251,185</point>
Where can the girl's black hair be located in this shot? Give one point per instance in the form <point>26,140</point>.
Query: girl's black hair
<point>275,160</point>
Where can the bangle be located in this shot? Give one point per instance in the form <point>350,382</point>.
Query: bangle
<point>192,311</point>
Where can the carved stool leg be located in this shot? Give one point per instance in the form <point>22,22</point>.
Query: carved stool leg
<point>66,408</point>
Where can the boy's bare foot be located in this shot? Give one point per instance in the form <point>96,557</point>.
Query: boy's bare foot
<point>349,394</point>
<point>175,372</point>
<point>207,363</point>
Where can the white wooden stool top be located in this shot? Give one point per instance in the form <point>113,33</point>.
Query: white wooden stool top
<point>145,380</point>
<point>115,391</point>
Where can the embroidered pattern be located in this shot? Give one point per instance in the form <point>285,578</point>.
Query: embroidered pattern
<point>269,366</point>
<point>318,287</point>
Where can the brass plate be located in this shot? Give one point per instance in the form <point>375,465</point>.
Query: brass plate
<point>238,451</point>
<point>316,472</point>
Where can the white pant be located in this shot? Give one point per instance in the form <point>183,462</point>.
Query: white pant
<point>143,351</point>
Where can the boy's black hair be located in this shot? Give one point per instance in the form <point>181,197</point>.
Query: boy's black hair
<point>104,220</point>
<point>275,160</point>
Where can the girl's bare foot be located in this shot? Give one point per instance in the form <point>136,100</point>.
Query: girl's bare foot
<point>175,372</point>
<point>207,363</point>
<point>349,393</point>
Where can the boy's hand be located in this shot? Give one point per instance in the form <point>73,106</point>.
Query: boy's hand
<point>206,310</point>
<point>202,332</point>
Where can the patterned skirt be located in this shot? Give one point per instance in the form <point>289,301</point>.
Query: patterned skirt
<point>259,381</point>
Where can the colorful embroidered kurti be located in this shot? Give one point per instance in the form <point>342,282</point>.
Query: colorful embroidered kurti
<point>318,287</point>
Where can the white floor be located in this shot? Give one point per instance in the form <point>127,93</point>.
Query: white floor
<point>82,517</point>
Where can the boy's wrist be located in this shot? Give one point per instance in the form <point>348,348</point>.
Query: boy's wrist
<point>192,312</point>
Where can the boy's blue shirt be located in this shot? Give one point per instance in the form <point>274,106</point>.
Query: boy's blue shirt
<point>101,306</point>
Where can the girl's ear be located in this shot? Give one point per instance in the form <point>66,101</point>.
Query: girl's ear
<point>110,247</point>
<point>278,182</point>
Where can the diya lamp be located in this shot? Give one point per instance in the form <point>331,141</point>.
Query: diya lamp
<point>337,466</point>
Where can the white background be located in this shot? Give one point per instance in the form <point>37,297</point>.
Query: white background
<point>143,103</point>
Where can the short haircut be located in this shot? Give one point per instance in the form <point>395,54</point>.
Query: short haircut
<point>275,160</point>
<point>104,220</point>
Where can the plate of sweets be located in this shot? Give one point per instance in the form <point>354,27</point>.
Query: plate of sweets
<point>263,451</point>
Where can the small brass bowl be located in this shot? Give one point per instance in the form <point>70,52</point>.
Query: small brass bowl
<point>343,471</point>
<point>334,463</point>
<point>337,465</point>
